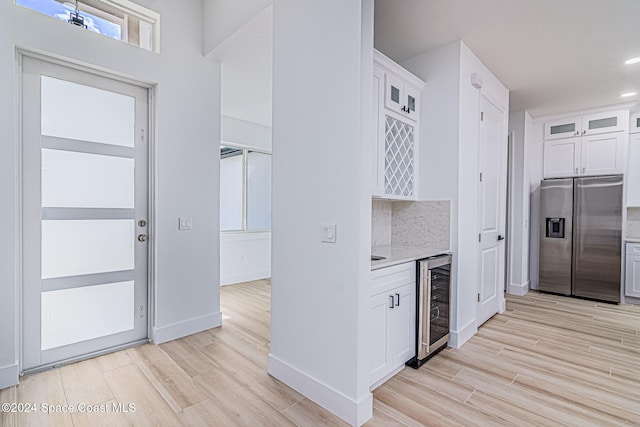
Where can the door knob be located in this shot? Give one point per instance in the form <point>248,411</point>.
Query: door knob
<point>500,237</point>
<point>142,237</point>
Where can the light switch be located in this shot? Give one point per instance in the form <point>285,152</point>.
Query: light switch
<point>328,233</point>
<point>184,223</point>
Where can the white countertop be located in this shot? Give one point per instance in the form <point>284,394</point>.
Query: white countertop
<point>395,255</point>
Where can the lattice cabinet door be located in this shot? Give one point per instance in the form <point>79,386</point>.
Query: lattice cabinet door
<point>399,158</point>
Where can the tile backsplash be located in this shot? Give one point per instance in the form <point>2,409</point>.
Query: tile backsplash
<point>633,223</point>
<point>381,222</point>
<point>400,223</point>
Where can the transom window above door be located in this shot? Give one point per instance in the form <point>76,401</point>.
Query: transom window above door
<point>118,19</point>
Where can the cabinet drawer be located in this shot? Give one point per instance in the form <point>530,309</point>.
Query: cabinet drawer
<point>633,249</point>
<point>385,279</point>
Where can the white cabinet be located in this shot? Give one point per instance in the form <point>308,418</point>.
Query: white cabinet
<point>565,128</point>
<point>401,97</point>
<point>587,124</point>
<point>632,177</point>
<point>392,320</point>
<point>562,157</point>
<point>396,110</point>
<point>602,154</point>
<point>634,123</point>
<point>591,144</point>
<point>632,277</point>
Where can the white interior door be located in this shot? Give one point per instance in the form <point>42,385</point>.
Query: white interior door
<point>85,202</point>
<point>492,211</point>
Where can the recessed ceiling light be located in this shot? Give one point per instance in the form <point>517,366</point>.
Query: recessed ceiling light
<point>627,94</point>
<point>632,61</point>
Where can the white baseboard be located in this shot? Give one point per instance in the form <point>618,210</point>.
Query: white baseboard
<point>519,289</point>
<point>353,412</point>
<point>462,335</point>
<point>9,376</point>
<point>244,277</point>
<point>186,327</point>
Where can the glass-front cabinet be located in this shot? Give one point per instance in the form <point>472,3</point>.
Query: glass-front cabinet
<point>564,128</point>
<point>588,124</point>
<point>396,110</point>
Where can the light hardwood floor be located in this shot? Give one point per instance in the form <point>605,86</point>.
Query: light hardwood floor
<point>547,361</point>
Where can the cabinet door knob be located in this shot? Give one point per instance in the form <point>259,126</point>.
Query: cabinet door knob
<point>583,170</point>
<point>397,300</point>
<point>576,171</point>
<point>391,301</point>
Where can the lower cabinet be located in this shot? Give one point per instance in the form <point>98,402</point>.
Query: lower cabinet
<point>632,276</point>
<point>392,320</point>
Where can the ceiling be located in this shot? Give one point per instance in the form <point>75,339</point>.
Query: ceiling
<point>554,56</point>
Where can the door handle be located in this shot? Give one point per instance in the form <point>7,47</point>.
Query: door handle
<point>397,300</point>
<point>391,301</point>
<point>142,237</point>
<point>500,237</point>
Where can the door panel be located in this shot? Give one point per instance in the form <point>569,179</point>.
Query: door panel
<point>85,188</point>
<point>556,210</point>
<point>597,241</point>
<point>562,157</point>
<point>492,211</point>
<point>602,154</point>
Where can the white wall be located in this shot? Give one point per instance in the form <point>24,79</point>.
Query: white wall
<point>223,18</point>
<point>439,149</point>
<point>449,137</point>
<point>321,128</point>
<point>247,71</point>
<point>246,134</point>
<point>520,123</point>
<point>187,130</point>
<point>244,257</point>
<point>533,158</point>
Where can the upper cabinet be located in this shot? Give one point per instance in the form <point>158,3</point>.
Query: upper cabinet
<point>588,124</point>
<point>396,110</point>
<point>565,128</point>
<point>401,96</point>
<point>632,178</point>
<point>634,123</point>
<point>585,145</point>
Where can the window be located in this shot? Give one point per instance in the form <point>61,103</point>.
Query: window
<point>117,19</point>
<point>245,189</point>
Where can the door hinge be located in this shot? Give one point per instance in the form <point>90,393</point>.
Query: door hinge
<point>479,237</point>
<point>478,296</point>
<point>481,115</point>
<point>480,176</point>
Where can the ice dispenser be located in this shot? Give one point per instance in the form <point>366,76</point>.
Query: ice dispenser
<point>555,228</point>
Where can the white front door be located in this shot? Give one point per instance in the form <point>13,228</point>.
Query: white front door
<point>85,202</point>
<point>492,211</point>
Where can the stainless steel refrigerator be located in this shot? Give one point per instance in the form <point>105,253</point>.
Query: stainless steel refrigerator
<point>581,237</point>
